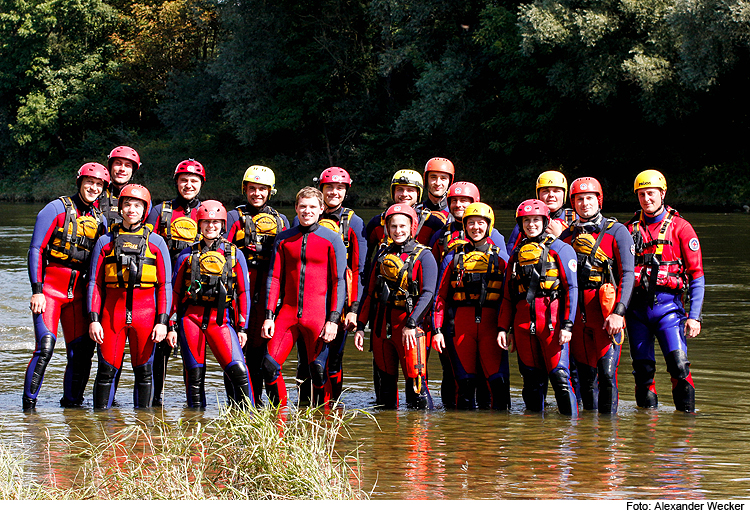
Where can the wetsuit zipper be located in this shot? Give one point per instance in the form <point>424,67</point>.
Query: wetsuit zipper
<point>303,264</point>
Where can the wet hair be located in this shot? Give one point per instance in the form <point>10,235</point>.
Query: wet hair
<point>309,192</point>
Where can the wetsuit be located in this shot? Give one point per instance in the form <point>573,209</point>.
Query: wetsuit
<point>466,309</point>
<point>429,205</point>
<point>351,228</point>
<point>254,231</point>
<point>604,250</point>
<point>174,221</point>
<point>108,202</point>
<point>540,296</point>
<point>451,236</point>
<point>58,268</point>
<point>400,291</point>
<point>563,215</point>
<point>206,280</point>
<point>129,292</point>
<point>306,288</point>
<point>667,248</point>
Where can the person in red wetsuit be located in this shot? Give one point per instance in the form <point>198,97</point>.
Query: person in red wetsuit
<point>305,294</point>
<point>438,176</point>
<point>175,221</point>
<point>668,260</point>
<point>122,163</point>
<point>207,277</point>
<point>466,308</point>
<point>539,306</point>
<point>65,232</point>
<point>129,296</point>
<point>334,183</point>
<point>399,294</point>
<point>253,227</point>
<point>604,250</point>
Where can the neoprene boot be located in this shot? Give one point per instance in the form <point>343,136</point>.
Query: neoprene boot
<point>645,389</point>
<point>589,381</point>
<point>448,385</point>
<point>388,390</point>
<point>35,375</point>
<point>683,391</point>
<point>566,400</point>
<point>77,372</point>
<point>241,392</point>
<point>465,393</point>
<point>500,390</point>
<point>194,385</point>
<point>607,374</point>
<point>143,390</point>
<point>104,389</point>
<point>534,387</point>
<point>159,369</point>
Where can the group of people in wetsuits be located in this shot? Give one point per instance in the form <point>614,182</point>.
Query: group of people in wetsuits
<point>429,273</point>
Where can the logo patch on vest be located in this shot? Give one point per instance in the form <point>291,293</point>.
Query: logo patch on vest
<point>573,265</point>
<point>694,244</point>
<point>129,245</point>
<point>632,249</point>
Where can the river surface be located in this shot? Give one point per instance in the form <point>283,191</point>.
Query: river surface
<point>445,454</point>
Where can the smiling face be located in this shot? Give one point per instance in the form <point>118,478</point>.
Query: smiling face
<point>211,229</point>
<point>257,194</point>
<point>476,228</point>
<point>132,211</point>
<point>651,200</point>
<point>586,204</point>
<point>405,194</point>
<point>458,204</point>
<point>90,189</point>
<point>553,197</point>
<point>438,183</point>
<point>533,225</point>
<point>399,228</point>
<point>122,171</point>
<point>188,185</point>
<point>333,195</point>
<point>308,210</point>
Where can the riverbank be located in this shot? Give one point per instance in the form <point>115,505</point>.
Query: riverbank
<point>240,455</point>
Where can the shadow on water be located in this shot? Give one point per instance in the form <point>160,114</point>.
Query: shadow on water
<point>638,454</point>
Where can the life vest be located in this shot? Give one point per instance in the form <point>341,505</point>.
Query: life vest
<point>651,260</point>
<point>257,234</point>
<point>450,240</point>
<point>212,279</point>
<point>180,232</point>
<point>130,264</point>
<point>110,207</point>
<point>594,265</point>
<point>395,285</point>
<point>535,271</point>
<point>567,217</point>
<point>477,278</point>
<point>342,228</point>
<point>72,243</point>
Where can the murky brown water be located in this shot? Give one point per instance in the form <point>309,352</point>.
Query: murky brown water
<point>449,454</point>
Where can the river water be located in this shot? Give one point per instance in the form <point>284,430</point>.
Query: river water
<point>637,454</point>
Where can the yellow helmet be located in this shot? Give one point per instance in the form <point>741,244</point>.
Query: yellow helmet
<point>552,179</point>
<point>483,210</point>
<point>260,174</point>
<point>409,178</point>
<point>650,178</point>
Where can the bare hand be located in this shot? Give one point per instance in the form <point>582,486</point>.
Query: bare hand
<point>329,331</point>
<point>269,327</point>
<point>38,303</point>
<point>359,340</point>
<point>350,321</point>
<point>409,337</point>
<point>692,328</point>
<point>96,332</point>
<point>502,340</point>
<point>564,337</point>
<point>172,338</point>
<point>159,333</point>
<point>438,342</point>
<point>242,337</point>
<point>614,324</point>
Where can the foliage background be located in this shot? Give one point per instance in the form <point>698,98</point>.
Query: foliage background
<point>505,89</point>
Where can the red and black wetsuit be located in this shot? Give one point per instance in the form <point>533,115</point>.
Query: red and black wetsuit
<point>604,252</point>
<point>205,282</point>
<point>539,300</point>
<point>305,288</point>
<point>175,221</point>
<point>254,231</point>
<point>59,255</point>
<point>399,294</point>
<point>129,292</point>
<point>466,308</point>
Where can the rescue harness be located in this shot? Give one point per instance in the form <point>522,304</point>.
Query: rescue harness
<point>651,272</point>
<point>477,279</point>
<point>212,281</point>
<point>180,233</point>
<point>72,243</point>
<point>535,274</point>
<point>258,233</point>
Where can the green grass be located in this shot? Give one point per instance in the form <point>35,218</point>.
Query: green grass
<point>240,455</point>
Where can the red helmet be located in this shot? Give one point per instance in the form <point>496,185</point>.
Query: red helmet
<point>586,185</point>
<point>93,170</point>
<point>404,210</point>
<point>125,153</point>
<point>532,208</point>
<point>440,165</point>
<point>463,188</point>
<point>211,210</point>
<point>334,175</point>
<point>134,190</point>
<point>190,166</point>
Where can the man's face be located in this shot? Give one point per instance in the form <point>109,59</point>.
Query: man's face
<point>90,189</point>
<point>651,200</point>
<point>188,185</point>
<point>438,183</point>
<point>586,204</point>
<point>122,171</point>
<point>405,194</point>
<point>257,194</point>
<point>552,196</point>
<point>308,210</point>
<point>333,195</point>
<point>132,211</point>
<point>458,204</point>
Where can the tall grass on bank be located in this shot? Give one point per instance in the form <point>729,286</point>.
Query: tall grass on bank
<point>240,455</point>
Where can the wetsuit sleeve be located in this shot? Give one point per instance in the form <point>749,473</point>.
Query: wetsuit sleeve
<point>427,274</point>
<point>363,315</point>
<point>178,279</point>
<point>435,246</point>
<point>507,307</point>
<point>49,218</point>
<point>295,222</point>
<point>358,246</point>
<point>692,258</point>
<point>152,220</point>
<point>273,281</point>
<point>233,224</point>
<point>95,291</point>
<point>567,263</point>
<point>285,220</point>
<point>443,292</point>
<point>499,240</point>
<point>163,278</point>
<point>243,290</point>
<point>337,256</point>
<point>515,237</point>
<point>624,250</point>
